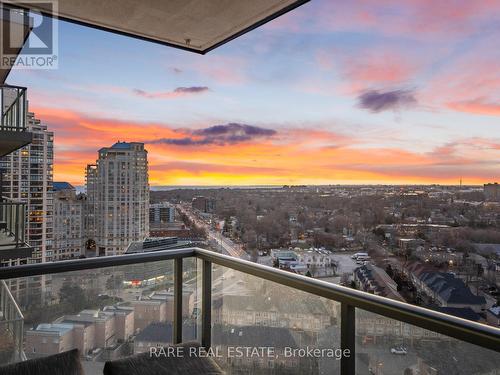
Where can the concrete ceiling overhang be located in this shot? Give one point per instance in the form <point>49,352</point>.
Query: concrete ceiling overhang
<point>194,25</point>
<point>15,29</point>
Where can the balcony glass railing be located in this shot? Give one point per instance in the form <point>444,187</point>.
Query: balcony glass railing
<point>253,318</point>
<point>11,327</point>
<point>13,107</point>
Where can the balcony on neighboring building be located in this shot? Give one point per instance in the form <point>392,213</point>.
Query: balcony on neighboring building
<point>115,317</point>
<point>13,107</point>
<point>13,247</point>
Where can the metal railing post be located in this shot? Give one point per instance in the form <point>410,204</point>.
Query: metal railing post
<point>22,224</point>
<point>206,304</point>
<point>348,338</point>
<point>16,223</point>
<point>177,301</point>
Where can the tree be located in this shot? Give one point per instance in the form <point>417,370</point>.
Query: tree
<point>389,270</point>
<point>114,283</point>
<point>73,295</point>
<point>308,273</point>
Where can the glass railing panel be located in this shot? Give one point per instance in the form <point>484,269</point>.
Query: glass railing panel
<point>259,326</point>
<point>388,346</point>
<point>191,300</point>
<point>107,313</point>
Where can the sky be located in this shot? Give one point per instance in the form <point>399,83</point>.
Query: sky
<point>334,92</point>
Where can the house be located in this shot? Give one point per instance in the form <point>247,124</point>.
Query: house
<point>160,334</point>
<point>461,312</point>
<point>373,279</point>
<point>226,338</point>
<point>448,291</point>
<point>445,358</point>
<point>493,316</point>
<point>102,328</point>
<point>297,311</point>
<point>168,297</point>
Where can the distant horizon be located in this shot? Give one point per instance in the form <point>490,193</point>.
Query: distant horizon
<point>81,188</point>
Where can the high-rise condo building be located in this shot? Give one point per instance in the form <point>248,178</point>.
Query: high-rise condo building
<point>68,222</point>
<point>117,198</point>
<point>27,178</point>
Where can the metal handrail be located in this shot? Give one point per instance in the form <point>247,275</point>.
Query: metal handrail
<point>13,301</point>
<point>472,332</point>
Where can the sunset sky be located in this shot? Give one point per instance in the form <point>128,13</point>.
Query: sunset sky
<point>353,92</point>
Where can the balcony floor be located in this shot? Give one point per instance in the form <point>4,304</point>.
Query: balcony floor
<point>10,141</point>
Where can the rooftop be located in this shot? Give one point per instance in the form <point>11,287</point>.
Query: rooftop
<point>62,186</point>
<point>59,328</point>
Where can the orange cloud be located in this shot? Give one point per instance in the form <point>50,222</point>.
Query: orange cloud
<point>288,156</point>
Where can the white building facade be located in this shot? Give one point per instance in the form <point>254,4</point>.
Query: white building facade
<point>27,177</point>
<point>118,198</point>
<point>69,236</point>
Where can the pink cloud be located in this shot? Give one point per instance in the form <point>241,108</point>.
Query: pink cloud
<point>416,19</point>
<point>477,106</point>
<point>177,93</point>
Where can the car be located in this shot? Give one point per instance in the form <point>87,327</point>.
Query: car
<point>400,350</point>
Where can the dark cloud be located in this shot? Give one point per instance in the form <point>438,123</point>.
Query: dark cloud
<point>191,90</point>
<point>140,92</point>
<point>378,101</point>
<point>220,135</point>
<point>179,91</point>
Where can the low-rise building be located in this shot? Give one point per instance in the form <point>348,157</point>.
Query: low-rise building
<point>49,338</point>
<point>492,191</point>
<point>147,311</point>
<point>85,331</point>
<point>204,205</point>
<point>160,213</point>
<point>290,311</point>
<point>159,334</point>
<point>493,316</point>
<point>444,289</point>
<point>373,279</point>
<point>226,338</point>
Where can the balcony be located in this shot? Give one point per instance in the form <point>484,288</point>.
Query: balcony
<point>13,107</point>
<point>141,301</point>
<point>12,231</point>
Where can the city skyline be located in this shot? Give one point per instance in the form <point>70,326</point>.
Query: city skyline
<point>369,101</point>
